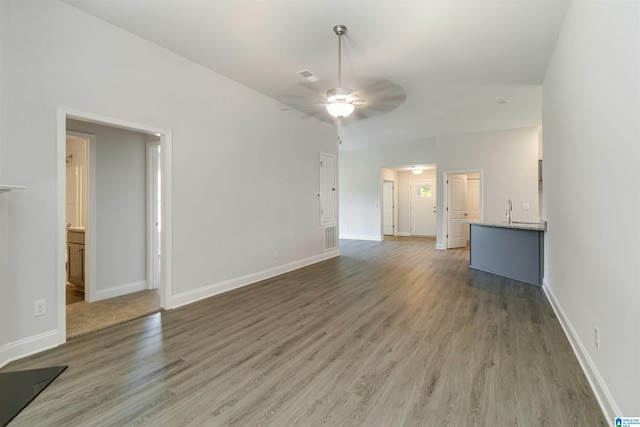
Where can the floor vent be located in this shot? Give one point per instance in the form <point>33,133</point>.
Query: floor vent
<point>330,237</point>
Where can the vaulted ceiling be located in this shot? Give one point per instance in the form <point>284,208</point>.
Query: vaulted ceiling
<point>465,66</point>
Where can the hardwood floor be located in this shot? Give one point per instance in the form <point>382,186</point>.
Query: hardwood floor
<point>391,333</point>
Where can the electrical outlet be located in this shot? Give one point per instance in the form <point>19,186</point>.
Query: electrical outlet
<point>596,337</point>
<point>39,308</point>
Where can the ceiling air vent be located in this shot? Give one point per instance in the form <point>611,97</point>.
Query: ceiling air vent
<point>306,74</point>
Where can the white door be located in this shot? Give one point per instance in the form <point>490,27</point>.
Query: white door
<point>456,188</point>
<point>473,199</point>
<point>472,203</point>
<point>423,208</point>
<point>328,183</point>
<point>154,207</point>
<point>388,225</point>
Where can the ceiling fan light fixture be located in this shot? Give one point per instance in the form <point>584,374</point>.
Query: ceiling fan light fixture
<point>340,108</point>
<point>339,102</point>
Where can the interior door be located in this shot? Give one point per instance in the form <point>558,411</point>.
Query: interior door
<point>155,225</point>
<point>388,225</point>
<point>473,199</point>
<point>456,189</point>
<point>423,208</point>
<point>328,184</point>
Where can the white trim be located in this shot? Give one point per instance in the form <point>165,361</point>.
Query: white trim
<point>607,404</point>
<point>361,237</point>
<point>440,246</point>
<point>404,234</point>
<point>238,282</point>
<point>119,290</point>
<point>61,154</point>
<point>5,188</point>
<point>166,237</point>
<point>166,287</point>
<point>28,346</point>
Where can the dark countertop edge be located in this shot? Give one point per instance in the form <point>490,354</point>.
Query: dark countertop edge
<point>541,226</point>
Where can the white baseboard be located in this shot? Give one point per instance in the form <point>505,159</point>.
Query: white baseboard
<point>607,404</point>
<point>116,291</point>
<point>440,246</point>
<point>361,237</point>
<point>28,346</point>
<point>404,234</point>
<point>228,285</point>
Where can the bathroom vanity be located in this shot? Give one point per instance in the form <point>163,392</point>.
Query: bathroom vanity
<point>75,257</point>
<point>513,250</point>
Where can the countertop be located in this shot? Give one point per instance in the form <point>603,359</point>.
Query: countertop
<point>534,226</point>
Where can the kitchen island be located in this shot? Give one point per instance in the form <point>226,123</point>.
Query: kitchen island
<point>514,250</point>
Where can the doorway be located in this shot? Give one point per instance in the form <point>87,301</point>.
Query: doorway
<point>463,202</point>
<point>423,208</point>
<point>77,181</point>
<point>154,267</point>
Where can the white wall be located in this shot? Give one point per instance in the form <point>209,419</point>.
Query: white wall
<point>120,232</point>
<point>389,175</point>
<point>361,190</point>
<point>508,159</point>
<point>509,163</point>
<point>226,232</point>
<point>591,107</point>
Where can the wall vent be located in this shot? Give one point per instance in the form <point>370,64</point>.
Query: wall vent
<point>306,74</point>
<point>330,237</point>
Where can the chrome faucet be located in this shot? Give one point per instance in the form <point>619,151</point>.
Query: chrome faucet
<point>509,209</point>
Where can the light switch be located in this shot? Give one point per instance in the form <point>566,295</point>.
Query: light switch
<point>525,206</point>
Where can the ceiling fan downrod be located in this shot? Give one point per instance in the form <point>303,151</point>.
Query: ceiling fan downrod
<point>339,30</point>
<point>339,102</point>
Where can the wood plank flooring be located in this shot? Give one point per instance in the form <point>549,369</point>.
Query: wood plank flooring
<point>391,333</point>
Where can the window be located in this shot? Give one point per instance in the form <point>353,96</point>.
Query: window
<point>423,190</point>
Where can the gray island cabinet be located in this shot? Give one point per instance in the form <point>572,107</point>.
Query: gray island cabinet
<point>513,250</point>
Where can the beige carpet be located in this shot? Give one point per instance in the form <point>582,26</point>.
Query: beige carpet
<point>84,317</point>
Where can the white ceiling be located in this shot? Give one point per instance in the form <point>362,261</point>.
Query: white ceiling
<point>455,59</point>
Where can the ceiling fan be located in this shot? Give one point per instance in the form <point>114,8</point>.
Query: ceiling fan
<point>374,96</point>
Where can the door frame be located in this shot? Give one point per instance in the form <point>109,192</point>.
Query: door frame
<point>445,212</point>
<point>166,287</point>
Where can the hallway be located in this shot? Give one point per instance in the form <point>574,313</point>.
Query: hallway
<point>84,317</point>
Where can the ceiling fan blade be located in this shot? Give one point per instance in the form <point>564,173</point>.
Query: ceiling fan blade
<point>364,107</point>
<point>299,106</point>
